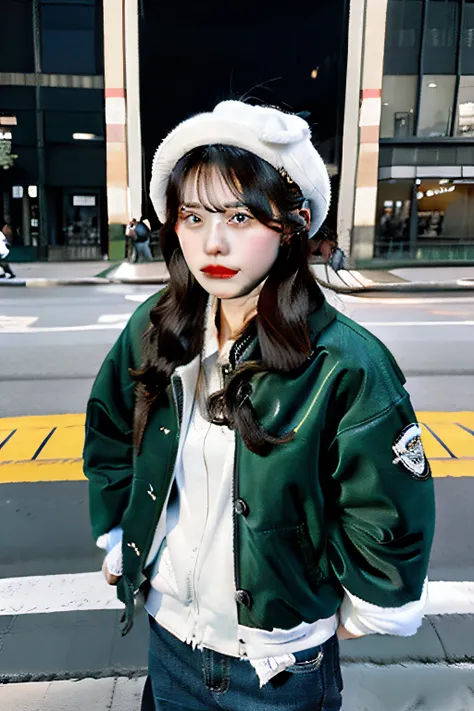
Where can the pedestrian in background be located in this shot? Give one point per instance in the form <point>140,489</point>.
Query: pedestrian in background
<point>130,252</point>
<point>255,464</point>
<point>6,240</point>
<point>142,240</point>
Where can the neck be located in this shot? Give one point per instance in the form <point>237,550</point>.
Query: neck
<point>234,314</point>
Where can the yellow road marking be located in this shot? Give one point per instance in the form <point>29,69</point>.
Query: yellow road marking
<point>24,444</point>
<point>59,457</point>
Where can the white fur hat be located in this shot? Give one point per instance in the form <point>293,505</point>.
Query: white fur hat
<point>283,140</point>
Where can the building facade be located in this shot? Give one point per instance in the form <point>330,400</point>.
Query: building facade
<point>408,157</point>
<point>88,89</point>
<point>52,129</point>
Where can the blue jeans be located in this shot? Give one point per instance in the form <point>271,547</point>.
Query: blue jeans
<point>143,251</point>
<point>183,678</point>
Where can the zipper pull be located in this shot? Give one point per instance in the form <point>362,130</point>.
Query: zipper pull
<point>226,372</point>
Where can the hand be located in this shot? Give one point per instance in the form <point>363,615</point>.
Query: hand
<point>110,577</point>
<point>342,633</point>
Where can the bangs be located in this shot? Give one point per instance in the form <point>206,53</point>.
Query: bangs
<point>250,179</point>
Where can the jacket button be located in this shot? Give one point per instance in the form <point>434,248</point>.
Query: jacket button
<point>244,598</point>
<point>241,507</point>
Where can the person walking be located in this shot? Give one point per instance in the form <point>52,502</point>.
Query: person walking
<point>6,239</point>
<point>130,252</point>
<point>142,240</point>
<point>255,464</point>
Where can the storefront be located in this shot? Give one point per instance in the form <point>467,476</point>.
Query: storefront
<point>425,199</point>
<point>425,219</point>
<point>52,121</point>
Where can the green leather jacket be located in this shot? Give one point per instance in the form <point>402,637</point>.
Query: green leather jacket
<point>334,508</point>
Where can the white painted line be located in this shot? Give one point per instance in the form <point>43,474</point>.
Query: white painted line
<point>403,324</point>
<point>450,598</point>
<point>57,593</point>
<point>140,298</point>
<point>367,300</point>
<point>114,318</point>
<point>22,324</point>
<point>12,324</point>
<point>66,329</point>
<point>89,591</point>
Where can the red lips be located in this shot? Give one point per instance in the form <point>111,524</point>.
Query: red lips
<point>219,272</point>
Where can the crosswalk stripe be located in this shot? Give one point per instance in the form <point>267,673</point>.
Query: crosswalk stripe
<point>89,591</point>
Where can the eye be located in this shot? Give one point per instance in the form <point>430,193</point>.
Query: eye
<point>240,218</point>
<point>192,219</point>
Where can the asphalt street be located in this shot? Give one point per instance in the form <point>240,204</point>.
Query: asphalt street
<point>50,369</point>
<point>52,342</point>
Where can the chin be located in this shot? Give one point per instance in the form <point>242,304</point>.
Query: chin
<point>221,292</point>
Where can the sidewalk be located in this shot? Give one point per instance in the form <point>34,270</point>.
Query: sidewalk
<point>408,280</point>
<point>43,655</point>
<point>424,688</point>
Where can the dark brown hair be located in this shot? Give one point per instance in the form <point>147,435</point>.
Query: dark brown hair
<point>289,295</point>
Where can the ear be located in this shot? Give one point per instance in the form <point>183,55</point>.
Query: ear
<point>306,215</point>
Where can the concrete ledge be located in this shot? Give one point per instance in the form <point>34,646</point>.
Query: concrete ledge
<point>407,287</point>
<point>39,282</point>
<point>89,644</point>
<point>71,645</point>
<point>346,281</point>
<point>463,285</point>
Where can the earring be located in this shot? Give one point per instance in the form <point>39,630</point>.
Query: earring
<point>285,239</point>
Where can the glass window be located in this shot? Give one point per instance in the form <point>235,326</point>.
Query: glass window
<point>393,217</point>
<point>445,212</point>
<point>465,112</point>
<point>16,53</point>
<point>467,41</point>
<point>403,38</point>
<point>399,95</point>
<point>436,109</point>
<point>68,39</point>
<point>63,126</point>
<point>442,30</point>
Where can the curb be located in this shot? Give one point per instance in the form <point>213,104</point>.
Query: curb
<point>408,287</point>
<point>41,282</point>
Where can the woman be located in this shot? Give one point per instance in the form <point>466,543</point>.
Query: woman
<point>256,448</point>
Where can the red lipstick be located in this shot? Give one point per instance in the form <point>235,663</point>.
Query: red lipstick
<point>219,272</point>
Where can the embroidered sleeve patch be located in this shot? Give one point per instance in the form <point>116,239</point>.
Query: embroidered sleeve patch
<point>409,452</point>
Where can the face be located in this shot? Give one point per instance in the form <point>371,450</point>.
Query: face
<point>229,253</point>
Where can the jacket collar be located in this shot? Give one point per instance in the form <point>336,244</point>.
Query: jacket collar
<point>247,346</point>
<point>319,319</point>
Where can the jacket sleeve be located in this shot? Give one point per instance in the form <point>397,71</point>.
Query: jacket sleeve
<point>383,523</point>
<point>108,449</point>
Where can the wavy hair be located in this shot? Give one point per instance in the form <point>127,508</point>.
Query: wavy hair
<point>290,293</point>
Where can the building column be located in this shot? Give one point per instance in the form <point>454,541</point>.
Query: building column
<point>360,164</point>
<point>365,207</point>
<point>134,137</point>
<point>350,135</point>
<point>115,114</point>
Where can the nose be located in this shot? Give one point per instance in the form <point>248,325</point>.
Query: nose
<point>216,240</point>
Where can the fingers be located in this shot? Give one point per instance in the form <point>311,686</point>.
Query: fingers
<point>110,577</point>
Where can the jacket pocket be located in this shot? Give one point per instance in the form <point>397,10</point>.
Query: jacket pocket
<point>282,569</point>
<point>311,562</point>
